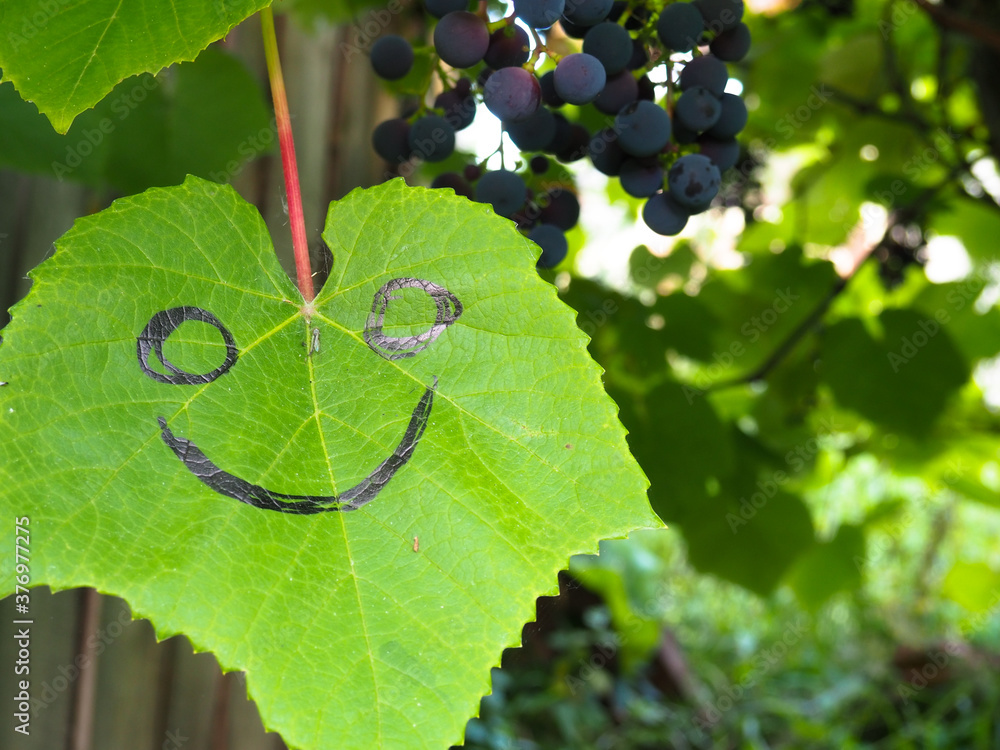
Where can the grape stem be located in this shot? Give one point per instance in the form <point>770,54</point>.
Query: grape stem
<point>296,218</point>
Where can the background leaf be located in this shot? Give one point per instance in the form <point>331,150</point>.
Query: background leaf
<point>66,57</point>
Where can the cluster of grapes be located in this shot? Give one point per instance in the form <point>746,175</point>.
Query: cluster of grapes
<point>671,153</point>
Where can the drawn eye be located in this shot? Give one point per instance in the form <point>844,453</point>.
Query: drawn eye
<point>158,330</point>
<point>413,311</point>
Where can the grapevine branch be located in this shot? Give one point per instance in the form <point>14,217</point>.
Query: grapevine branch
<point>300,245</point>
<point>950,19</point>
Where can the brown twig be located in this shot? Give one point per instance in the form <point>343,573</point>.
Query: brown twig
<point>944,16</point>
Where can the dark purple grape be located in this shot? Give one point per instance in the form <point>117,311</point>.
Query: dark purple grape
<point>504,190</point>
<point>461,39</point>
<point>459,109</point>
<point>463,86</point>
<point>707,71</point>
<point>391,140</point>
<point>392,57</point>
<point>559,207</point>
<point>587,12</point>
<point>610,44</point>
<point>640,178</point>
<point>539,14</point>
<point>663,215</point>
<point>441,8</point>
<point>533,133</point>
<point>732,45</point>
<point>640,56</point>
<point>643,128</point>
<point>679,27</point>
<point>605,152</point>
<point>549,95</point>
<point>723,153</point>
<point>472,172</point>
<point>619,91</point>
<point>647,89</point>
<point>720,15</point>
<point>579,78</point>
<point>432,138</point>
<point>573,30</point>
<point>683,135</point>
<point>539,164</point>
<point>732,117</point>
<point>512,94</point>
<point>694,182</point>
<point>575,147</point>
<point>553,244</point>
<point>564,132</point>
<point>453,181</point>
<point>509,46</point>
<point>697,109</point>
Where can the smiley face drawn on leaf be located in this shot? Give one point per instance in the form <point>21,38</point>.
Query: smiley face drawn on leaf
<point>162,324</point>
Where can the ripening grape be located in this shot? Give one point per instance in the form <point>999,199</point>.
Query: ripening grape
<point>454,181</point>
<point>553,244</point>
<point>459,109</point>
<point>587,12</point>
<point>732,45</point>
<point>697,109</point>
<point>694,181</point>
<point>461,39</point>
<point>432,138</point>
<point>504,190</point>
<point>707,71</point>
<point>679,27</point>
<point>533,133</point>
<point>641,178</point>
<point>732,117</point>
<point>643,128</point>
<point>391,140</point>
<point>512,94</point>
<point>509,46</point>
<point>620,91</point>
<point>560,208</point>
<point>441,8</point>
<point>720,15</point>
<point>549,95</point>
<point>539,14</point>
<point>392,57</point>
<point>723,153</point>
<point>664,215</point>
<point>610,44</point>
<point>605,152</point>
<point>579,78</point>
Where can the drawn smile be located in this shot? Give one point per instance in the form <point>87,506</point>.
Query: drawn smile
<point>165,322</point>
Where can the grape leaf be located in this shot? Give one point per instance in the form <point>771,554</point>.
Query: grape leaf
<point>205,118</point>
<point>163,369</point>
<point>66,57</point>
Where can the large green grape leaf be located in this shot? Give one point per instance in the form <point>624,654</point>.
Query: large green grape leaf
<point>478,465</point>
<point>66,56</point>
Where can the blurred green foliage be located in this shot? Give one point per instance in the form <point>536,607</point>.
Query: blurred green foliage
<point>820,424</point>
